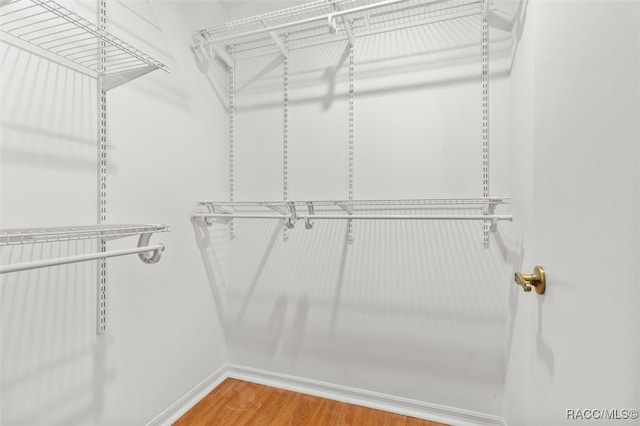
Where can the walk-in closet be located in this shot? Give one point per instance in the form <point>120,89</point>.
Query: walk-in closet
<point>328,212</point>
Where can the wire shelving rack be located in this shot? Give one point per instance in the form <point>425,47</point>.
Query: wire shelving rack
<point>330,21</point>
<point>148,253</point>
<point>47,29</point>
<point>19,236</point>
<point>326,21</point>
<point>56,30</point>
<point>475,209</point>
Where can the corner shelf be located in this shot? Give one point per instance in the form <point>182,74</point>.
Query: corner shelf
<point>46,25</point>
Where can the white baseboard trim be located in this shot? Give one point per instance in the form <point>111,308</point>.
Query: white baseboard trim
<point>191,398</point>
<point>379,401</point>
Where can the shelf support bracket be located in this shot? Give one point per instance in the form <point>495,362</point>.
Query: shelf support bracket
<point>224,211</point>
<point>346,208</point>
<point>210,51</point>
<point>277,40</point>
<point>279,209</point>
<point>111,81</point>
<point>347,27</point>
<point>367,22</point>
<point>349,210</point>
<point>220,53</point>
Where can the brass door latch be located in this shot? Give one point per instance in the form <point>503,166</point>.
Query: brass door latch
<point>537,280</point>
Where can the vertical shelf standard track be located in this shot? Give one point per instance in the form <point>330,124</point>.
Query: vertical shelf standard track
<point>101,320</point>
<point>351,133</point>
<point>285,135</point>
<point>232,135</point>
<point>487,224</point>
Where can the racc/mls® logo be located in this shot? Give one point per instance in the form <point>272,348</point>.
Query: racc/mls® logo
<point>602,414</point>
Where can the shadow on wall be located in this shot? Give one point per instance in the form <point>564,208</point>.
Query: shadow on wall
<point>513,252</point>
<point>403,291</point>
<point>412,308</point>
<point>213,247</point>
<point>430,49</point>
<point>48,114</point>
<point>53,371</point>
<point>512,244</point>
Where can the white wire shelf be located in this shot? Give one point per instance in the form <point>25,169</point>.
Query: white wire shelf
<point>70,233</point>
<point>146,252</point>
<point>368,203</point>
<point>480,209</point>
<point>55,29</point>
<point>325,21</point>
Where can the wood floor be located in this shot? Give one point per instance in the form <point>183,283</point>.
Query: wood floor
<point>236,403</point>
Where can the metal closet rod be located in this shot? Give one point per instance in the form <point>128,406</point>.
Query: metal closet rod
<point>157,249</point>
<point>354,216</point>
<point>325,17</point>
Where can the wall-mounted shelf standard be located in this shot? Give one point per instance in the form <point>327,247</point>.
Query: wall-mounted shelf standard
<point>49,26</point>
<point>325,21</point>
<point>475,209</point>
<point>147,253</point>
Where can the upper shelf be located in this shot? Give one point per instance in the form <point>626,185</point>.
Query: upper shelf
<point>70,233</point>
<point>49,26</point>
<point>325,21</point>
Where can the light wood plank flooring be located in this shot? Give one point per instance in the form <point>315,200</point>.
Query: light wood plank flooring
<point>236,403</point>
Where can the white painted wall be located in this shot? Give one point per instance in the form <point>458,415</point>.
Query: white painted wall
<point>575,132</point>
<point>165,136</point>
<point>410,309</point>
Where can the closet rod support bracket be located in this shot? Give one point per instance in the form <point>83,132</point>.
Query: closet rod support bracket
<point>490,210</point>
<point>291,220</point>
<point>155,255</point>
<point>209,220</point>
<point>308,222</point>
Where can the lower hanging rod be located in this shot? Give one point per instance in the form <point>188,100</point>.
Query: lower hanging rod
<point>355,216</point>
<point>157,249</point>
